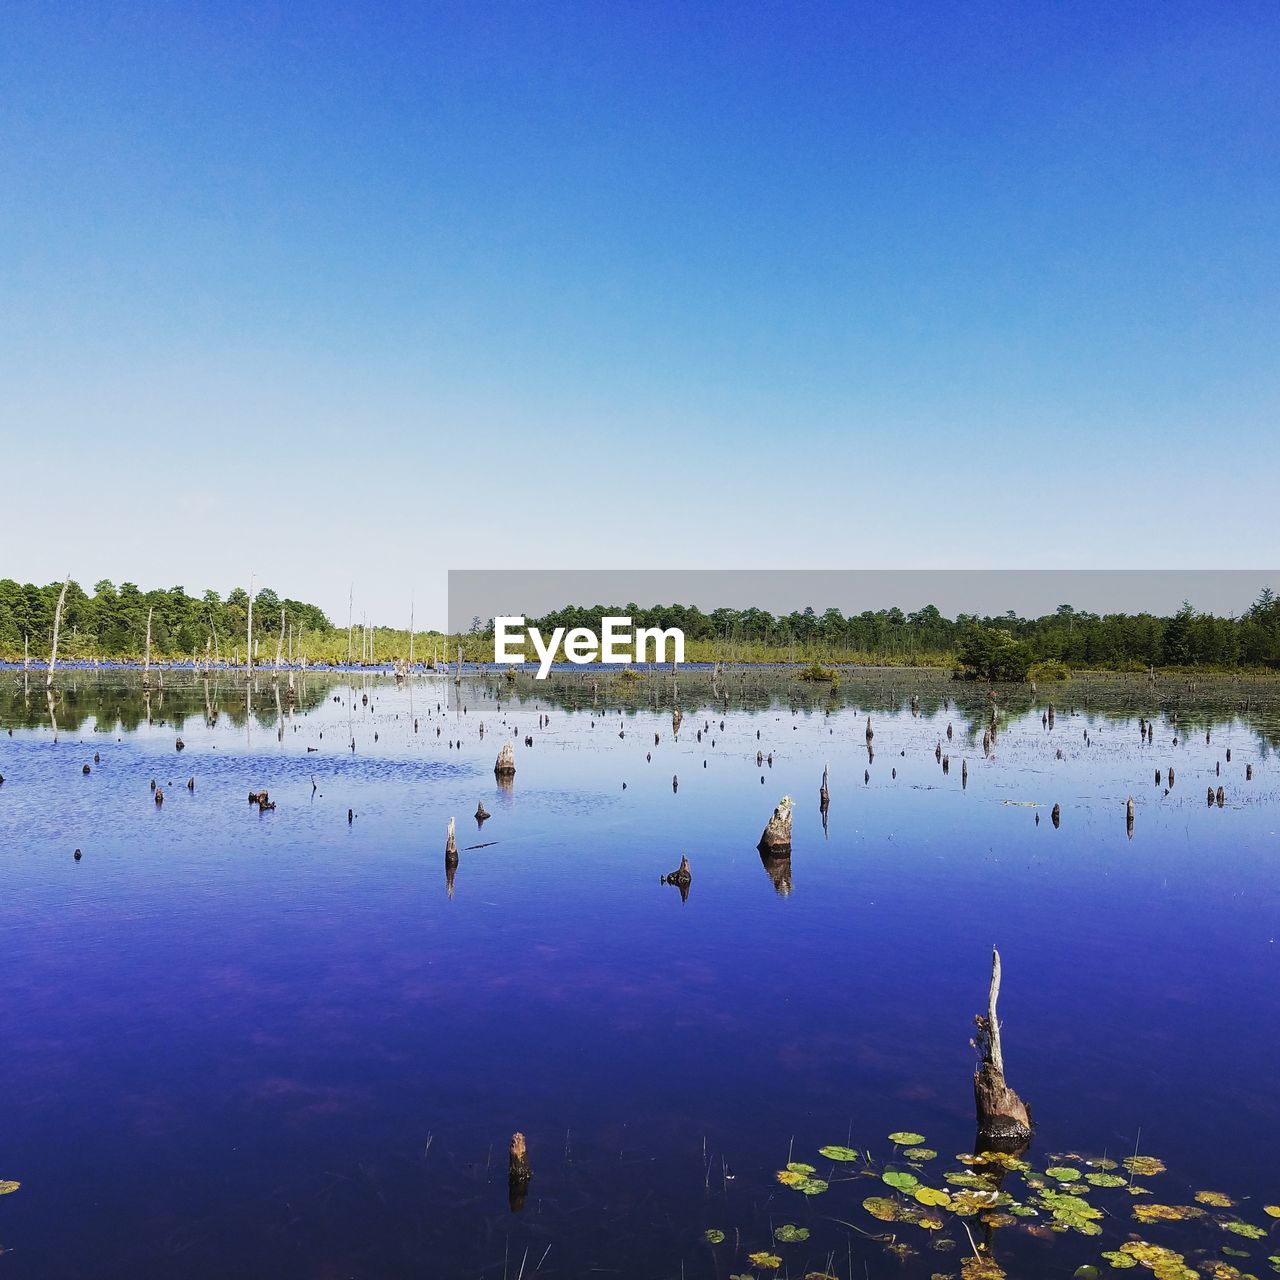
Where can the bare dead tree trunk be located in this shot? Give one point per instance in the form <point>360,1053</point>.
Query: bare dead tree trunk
<point>280,642</point>
<point>1002,1115</point>
<point>411,631</point>
<point>350,597</point>
<point>146,661</point>
<point>57,625</point>
<point>248,652</point>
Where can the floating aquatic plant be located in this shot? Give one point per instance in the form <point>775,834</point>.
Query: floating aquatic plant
<point>847,1154</point>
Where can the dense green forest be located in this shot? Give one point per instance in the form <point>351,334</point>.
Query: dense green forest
<point>1003,647</point>
<point>112,623</point>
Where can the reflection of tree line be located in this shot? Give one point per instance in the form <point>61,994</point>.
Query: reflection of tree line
<point>115,698</point>
<point>1192,706</point>
<point>118,704</point>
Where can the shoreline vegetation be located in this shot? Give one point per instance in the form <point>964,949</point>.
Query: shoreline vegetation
<point>169,627</point>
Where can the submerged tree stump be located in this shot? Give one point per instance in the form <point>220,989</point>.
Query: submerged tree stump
<point>519,1172</point>
<point>776,839</point>
<point>506,763</point>
<point>450,847</point>
<point>681,875</point>
<point>1002,1115</point>
<point>824,796</point>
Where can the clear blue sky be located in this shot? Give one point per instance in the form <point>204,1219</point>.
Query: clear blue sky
<point>366,292</point>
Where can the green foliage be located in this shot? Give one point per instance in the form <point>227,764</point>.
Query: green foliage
<point>112,623</point>
<point>1048,670</point>
<point>1055,644</point>
<point>988,653</point>
<point>816,673</point>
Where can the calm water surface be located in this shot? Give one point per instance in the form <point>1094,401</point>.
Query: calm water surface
<point>279,1044</point>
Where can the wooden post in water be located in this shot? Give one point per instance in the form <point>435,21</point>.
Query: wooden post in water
<point>57,624</point>
<point>1002,1115</point>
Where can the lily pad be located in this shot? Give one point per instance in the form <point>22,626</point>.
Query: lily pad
<point>847,1154</point>
<point>902,1181</point>
<point>932,1196</point>
<point>712,1236</point>
<point>790,1234</point>
<point>904,1139</point>
<point>1215,1198</point>
<point>1246,1229</point>
<point>881,1207</point>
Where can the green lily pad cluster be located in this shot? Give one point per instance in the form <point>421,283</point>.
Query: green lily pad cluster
<point>962,1208</point>
<point>801,1178</point>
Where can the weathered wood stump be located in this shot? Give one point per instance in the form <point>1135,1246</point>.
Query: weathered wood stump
<point>1002,1115</point>
<point>824,796</point>
<point>681,875</point>
<point>776,838</point>
<point>481,813</point>
<point>519,1172</point>
<point>506,763</point>
<point>450,847</point>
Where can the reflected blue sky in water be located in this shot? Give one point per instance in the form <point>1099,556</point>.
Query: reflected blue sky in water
<point>231,1034</point>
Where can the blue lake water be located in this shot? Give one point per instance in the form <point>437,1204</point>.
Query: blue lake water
<point>280,1044</point>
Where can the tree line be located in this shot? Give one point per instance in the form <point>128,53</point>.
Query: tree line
<point>112,622</point>
<point>1001,646</point>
